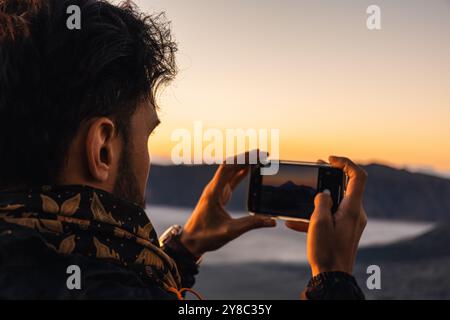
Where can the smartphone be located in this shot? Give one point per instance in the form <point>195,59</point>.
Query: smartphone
<point>290,193</point>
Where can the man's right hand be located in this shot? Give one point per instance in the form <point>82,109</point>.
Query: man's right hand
<point>332,240</point>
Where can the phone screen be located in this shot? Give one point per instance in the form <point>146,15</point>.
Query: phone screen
<point>290,192</point>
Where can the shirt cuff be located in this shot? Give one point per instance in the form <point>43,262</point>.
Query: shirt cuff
<point>186,262</point>
<point>333,286</point>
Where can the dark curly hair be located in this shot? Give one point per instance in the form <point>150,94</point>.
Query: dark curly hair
<point>52,78</point>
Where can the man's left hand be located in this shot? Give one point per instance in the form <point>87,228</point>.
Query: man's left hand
<point>210,226</point>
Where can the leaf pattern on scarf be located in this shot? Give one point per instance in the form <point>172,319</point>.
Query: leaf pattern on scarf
<point>103,251</point>
<point>144,242</point>
<point>100,213</point>
<point>118,232</point>
<point>30,215</point>
<point>83,224</point>
<point>32,223</point>
<point>67,245</point>
<point>148,258</point>
<point>28,220</point>
<point>11,207</point>
<point>51,246</point>
<point>70,206</point>
<point>52,225</point>
<point>144,232</point>
<point>81,220</point>
<point>49,205</point>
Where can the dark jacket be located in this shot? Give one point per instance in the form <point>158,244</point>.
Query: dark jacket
<point>44,231</point>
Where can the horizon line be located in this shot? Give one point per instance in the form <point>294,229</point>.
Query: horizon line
<point>427,170</point>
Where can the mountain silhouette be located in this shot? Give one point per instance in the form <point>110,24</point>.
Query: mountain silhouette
<point>288,185</point>
<point>390,193</point>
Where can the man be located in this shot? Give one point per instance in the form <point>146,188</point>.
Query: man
<point>76,111</point>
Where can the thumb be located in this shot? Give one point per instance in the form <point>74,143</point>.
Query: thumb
<point>322,215</point>
<point>245,224</point>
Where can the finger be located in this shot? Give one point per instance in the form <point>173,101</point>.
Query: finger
<point>358,233</point>
<point>322,214</point>
<point>320,161</point>
<point>300,226</point>
<point>357,176</point>
<point>223,177</point>
<point>228,170</point>
<point>239,177</point>
<point>245,224</point>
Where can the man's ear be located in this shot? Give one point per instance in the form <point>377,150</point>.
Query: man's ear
<point>101,149</point>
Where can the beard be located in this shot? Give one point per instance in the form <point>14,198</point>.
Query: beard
<point>127,186</point>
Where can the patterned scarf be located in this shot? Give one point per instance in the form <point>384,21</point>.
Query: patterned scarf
<point>93,223</point>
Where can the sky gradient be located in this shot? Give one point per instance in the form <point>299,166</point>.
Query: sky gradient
<point>313,70</point>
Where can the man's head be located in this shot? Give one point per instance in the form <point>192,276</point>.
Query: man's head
<point>77,106</point>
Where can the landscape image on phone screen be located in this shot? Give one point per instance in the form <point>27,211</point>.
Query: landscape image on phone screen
<point>290,192</point>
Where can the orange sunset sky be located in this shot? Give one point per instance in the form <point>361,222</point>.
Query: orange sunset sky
<point>313,70</point>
